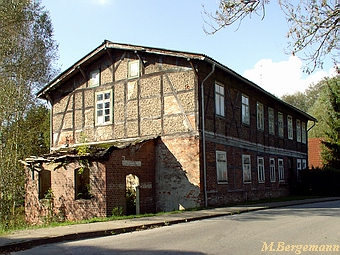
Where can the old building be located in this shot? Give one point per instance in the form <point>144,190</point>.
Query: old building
<point>130,114</point>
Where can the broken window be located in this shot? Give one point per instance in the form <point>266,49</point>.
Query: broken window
<point>94,78</point>
<point>260,168</point>
<point>82,183</point>
<point>221,166</point>
<point>303,133</point>
<point>298,131</point>
<point>280,123</point>
<point>271,121</point>
<point>103,107</point>
<point>245,110</point>
<point>246,168</point>
<point>44,183</point>
<point>290,127</point>
<point>260,116</point>
<point>219,99</point>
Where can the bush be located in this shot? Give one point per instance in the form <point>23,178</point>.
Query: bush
<point>321,182</point>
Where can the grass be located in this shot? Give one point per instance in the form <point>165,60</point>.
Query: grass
<point>22,226</point>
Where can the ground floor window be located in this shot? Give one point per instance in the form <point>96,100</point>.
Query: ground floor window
<point>221,166</point>
<point>281,170</point>
<point>44,183</point>
<point>82,183</point>
<point>246,168</point>
<point>260,169</point>
<point>272,169</point>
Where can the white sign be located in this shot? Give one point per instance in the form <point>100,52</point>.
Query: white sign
<point>131,163</point>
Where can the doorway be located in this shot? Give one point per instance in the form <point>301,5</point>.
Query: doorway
<point>132,195</point>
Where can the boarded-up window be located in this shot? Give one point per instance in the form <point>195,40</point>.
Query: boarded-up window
<point>280,123</point>
<point>260,116</point>
<point>221,166</point>
<point>94,78</point>
<point>134,69</point>
<point>246,168</point>
<point>271,122</point>
<point>272,169</point>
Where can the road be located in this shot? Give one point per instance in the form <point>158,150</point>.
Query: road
<point>304,229</point>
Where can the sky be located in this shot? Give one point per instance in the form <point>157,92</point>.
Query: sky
<point>255,50</point>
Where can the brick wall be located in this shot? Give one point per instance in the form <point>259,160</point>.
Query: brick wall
<point>314,153</point>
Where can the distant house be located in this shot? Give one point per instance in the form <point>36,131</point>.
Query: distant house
<point>179,129</point>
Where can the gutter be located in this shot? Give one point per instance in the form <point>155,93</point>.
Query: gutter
<point>203,137</point>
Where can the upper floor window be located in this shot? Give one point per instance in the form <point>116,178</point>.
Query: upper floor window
<point>245,110</point>
<point>94,78</point>
<point>298,131</point>
<point>290,127</point>
<point>271,122</point>
<point>280,123</point>
<point>134,69</point>
<point>219,99</point>
<point>221,166</point>
<point>303,132</point>
<point>272,169</point>
<point>103,107</point>
<point>260,169</point>
<point>260,116</point>
<point>246,168</point>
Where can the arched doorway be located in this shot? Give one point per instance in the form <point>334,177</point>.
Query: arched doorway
<point>132,195</point>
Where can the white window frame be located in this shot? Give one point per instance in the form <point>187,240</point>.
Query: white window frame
<point>280,124</point>
<point>281,170</point>
<point>245,110</point>
<point>103,107</point>
<point>260,116</point>
<point>260,169</point>
<point>246,166</point>
<point>272,169</point>
<point>221,167</point>
<point>271,121</point>
<point>94,78</point>
<point>303,133</point>
<point>134,69</point>
<point>290,127</point>
<point>219,99</point>
<point>298,130</point>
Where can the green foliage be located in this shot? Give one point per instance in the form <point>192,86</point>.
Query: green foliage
<point>117,211</point>
<point>130,201</point>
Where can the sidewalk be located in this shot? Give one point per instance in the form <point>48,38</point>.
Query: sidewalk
<point>25,239</point>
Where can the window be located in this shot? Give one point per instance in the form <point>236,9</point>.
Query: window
<point>82,183</point>
<point>221,166</point>
<point>44,183</point>
<point>272,169</point>
<point>134,69</point>
<point>298,131</point>
<point>303,132</point>
<point>260,169</point>
<point>219,99</point>
<point>246,168</point>
<point>299,168</point>
<point>260,117</point>
<point>94,78</point>
<point>245,110</point>
<point>304,164</point>
<point>280,123</point>
<point>290,127</point>
<point>271,122</point>
<point>103,107</point>
<point>281,170</point>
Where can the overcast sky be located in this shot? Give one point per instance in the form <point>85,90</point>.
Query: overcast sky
<point>255,50</point>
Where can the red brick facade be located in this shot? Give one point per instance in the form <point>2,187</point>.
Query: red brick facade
<point>314,153</point>
<point>206,154</point>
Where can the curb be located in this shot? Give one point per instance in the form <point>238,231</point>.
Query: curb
<point>24,245</point>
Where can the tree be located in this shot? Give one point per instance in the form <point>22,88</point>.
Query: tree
<point>27,55</point>
<point>314,24</point>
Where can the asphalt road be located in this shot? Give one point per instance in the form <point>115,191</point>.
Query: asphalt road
<point>304,229</point>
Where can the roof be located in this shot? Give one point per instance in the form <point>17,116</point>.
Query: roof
<point>100,50</point>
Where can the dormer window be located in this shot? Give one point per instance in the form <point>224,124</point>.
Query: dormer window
<point>134,69</point>
<point>94,78</point>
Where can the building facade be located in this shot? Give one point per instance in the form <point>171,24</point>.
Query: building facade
<point>189,130</point>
